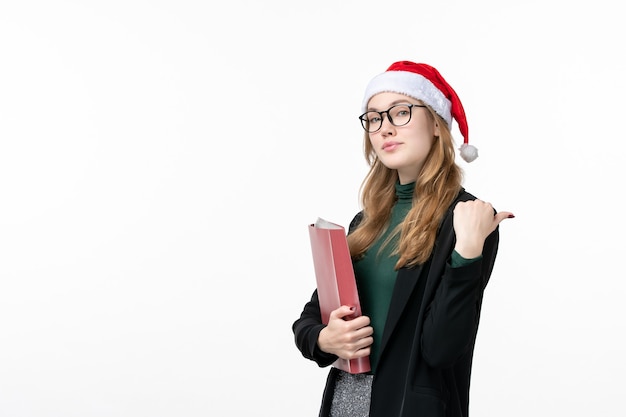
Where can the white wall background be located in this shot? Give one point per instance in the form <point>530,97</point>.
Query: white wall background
<point>160,161</point>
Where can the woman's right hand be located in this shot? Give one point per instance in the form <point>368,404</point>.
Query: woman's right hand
<point>345,337</point>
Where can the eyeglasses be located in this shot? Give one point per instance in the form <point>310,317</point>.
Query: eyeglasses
<point>398,115</point>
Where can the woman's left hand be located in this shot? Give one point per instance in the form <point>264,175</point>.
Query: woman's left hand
<point>473,221</point>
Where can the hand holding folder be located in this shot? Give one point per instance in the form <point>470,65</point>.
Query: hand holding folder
<point>336,283</point>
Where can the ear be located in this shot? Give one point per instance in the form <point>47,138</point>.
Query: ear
<point>437,131</point>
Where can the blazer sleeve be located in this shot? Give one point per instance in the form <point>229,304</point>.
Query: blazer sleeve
<point>306,330</point>
<point>451,319</point>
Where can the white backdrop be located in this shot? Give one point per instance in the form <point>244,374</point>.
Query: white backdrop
<point>160,161</point>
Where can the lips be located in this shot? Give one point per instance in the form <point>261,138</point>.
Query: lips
<point>390,146</point>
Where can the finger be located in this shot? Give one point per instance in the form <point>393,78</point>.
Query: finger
<point>358,322</point>
<point>364,343</point>
<point>503,215</point>
<point>342,312</point>
<point>361,344</point>
<point>363,332</point>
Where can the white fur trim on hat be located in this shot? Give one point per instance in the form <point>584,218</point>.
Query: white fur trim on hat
<point>413,85</point>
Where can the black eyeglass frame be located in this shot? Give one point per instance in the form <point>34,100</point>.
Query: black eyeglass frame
<point>364,121</point>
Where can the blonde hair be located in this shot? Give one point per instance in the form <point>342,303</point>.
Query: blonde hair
<point>437,185</point>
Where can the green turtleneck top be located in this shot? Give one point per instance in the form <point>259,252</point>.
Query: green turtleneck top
<point>376,275</point>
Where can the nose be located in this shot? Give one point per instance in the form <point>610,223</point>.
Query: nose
<point>386,127</point>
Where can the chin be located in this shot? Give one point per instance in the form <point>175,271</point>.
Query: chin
<point>394,163</point>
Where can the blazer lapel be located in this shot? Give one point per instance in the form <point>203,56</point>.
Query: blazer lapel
<point>405,284</point>
<point>439,260</point>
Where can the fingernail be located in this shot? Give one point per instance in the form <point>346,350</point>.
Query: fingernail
<point>352,308</point>
<point>511,216</point>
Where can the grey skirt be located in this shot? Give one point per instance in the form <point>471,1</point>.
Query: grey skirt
<point>351,395</point>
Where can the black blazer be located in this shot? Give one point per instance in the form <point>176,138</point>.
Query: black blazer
<point>428,341</point>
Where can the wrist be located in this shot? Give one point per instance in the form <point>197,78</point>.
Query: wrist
<point>469,251</point>
<point>321,340</point>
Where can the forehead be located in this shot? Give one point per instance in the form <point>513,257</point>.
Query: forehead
<point>383,101</point>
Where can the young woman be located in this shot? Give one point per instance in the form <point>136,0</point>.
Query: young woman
<point>423,250</point>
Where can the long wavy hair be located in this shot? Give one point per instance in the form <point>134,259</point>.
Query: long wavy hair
<point>437,185</point>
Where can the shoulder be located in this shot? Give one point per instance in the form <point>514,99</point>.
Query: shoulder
<point>463,195</point>
<point>355,221</point>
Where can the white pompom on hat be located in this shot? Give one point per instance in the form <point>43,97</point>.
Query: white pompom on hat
<point>424,83</point>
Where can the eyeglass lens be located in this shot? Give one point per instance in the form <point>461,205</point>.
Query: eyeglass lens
<point>398,116</point>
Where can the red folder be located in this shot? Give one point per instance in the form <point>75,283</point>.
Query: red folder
<point>336,284</point>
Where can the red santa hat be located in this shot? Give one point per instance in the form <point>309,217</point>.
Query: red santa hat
<point>424,83</point>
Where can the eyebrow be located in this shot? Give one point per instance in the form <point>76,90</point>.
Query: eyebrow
<point>393,103</point>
